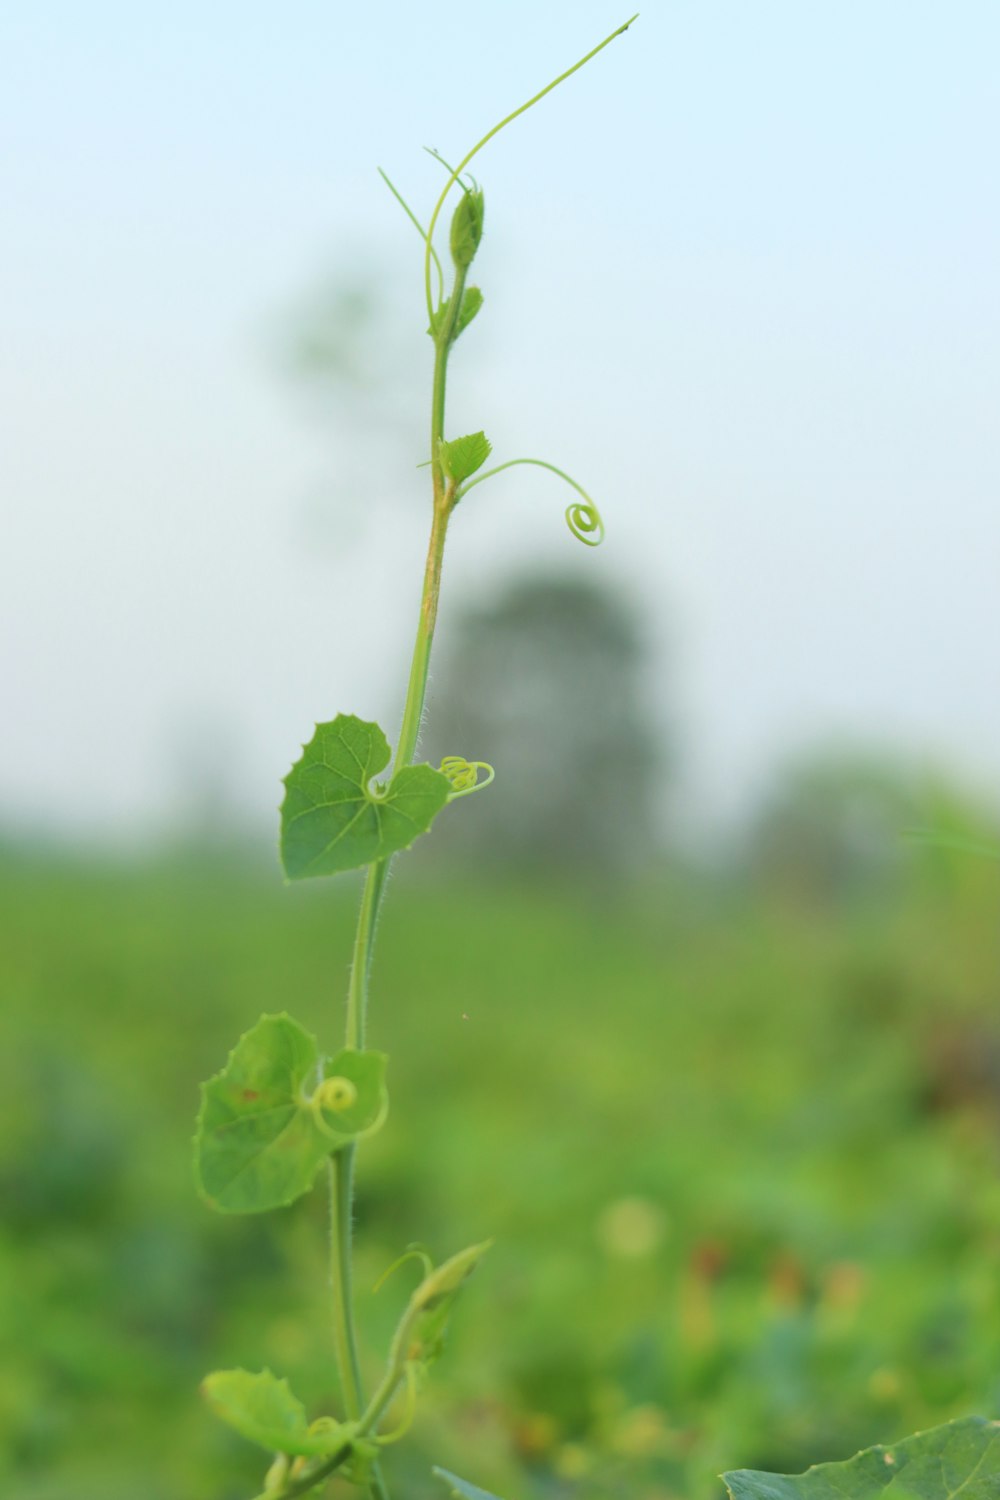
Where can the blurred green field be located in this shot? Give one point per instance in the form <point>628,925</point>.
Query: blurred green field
<point>740,1154</point>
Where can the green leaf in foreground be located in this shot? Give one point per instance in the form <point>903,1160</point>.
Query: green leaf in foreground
<point>932,1465</point>
<point>332,819</point>
<point>262,1408</point>
<point>461,1489</point>
<point>464,455</point>
<point>261,1136</point>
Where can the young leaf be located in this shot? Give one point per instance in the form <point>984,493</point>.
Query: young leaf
<point>467,227</point>
<point>463,456</point>
<point>933,1465</point>
<point>332,819</point>
<point>259,1143</point>
<point>472,301</point>
<point>262,1408</point>
<point>461,1489</point>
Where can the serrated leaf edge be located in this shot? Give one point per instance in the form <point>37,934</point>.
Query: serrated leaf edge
<point>203,1194</point>
<point>310,1450</point>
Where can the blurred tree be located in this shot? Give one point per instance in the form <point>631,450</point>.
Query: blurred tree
<point>546,685</point>
<point>349,353</point>
<point>833,827</point>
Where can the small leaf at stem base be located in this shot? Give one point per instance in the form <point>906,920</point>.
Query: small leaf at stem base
<point>263,1409</point>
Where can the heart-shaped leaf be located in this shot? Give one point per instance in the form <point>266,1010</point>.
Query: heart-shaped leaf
<point>263,1409</point>
<point>332,819</point>
<point>461,1489</point>
<point>261,1135</point>
<point>933,1465</point>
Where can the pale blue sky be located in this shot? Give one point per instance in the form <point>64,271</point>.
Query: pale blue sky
<point>741,279</point>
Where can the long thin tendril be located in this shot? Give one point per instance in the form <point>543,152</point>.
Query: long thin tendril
<point>433,151</point>
<point>413,1252</point>
<point>489,136</point>
<point>582,517</point>
<point>409,1410</point>
<point>408,211</point>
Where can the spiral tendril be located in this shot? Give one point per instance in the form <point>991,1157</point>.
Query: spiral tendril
<point>464,775</point>
<point>582,516</point>
<point>336,1094</point>
<point>584,521</point>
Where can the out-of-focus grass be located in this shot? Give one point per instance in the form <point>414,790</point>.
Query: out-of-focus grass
<point>740,1157</point>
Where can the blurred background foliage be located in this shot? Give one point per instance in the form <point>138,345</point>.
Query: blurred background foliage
<point>736,1130</point>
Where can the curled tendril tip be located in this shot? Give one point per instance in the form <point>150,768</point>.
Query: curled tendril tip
<point>464,775</point>
<point>584,521</point>
<point>582,516</point>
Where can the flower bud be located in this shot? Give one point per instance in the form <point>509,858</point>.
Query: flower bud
<point>467,228</point>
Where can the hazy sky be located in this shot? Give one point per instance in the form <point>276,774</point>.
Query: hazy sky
<point>741,279</point>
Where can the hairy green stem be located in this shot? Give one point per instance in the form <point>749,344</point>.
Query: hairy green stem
<point>442,346</point>
<point>364,941</point>
<point>310,1481</point>
<point>342,1168</point>
<point>341,1194</point>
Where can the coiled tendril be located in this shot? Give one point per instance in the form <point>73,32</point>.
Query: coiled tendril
<point>584,521</point>
<point>464,775</point>
<point>582,516</point>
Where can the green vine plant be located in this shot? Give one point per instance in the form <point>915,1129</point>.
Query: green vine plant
<point>283,1110</point>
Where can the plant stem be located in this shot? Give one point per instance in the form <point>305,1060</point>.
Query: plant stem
<point>417,688</point>
<point>341,1193</point>
<point>342,1164</point>
<point>442,348</point>
<point>364,939</point>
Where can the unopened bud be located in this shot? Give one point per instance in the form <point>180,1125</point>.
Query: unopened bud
<point>467,228</point>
